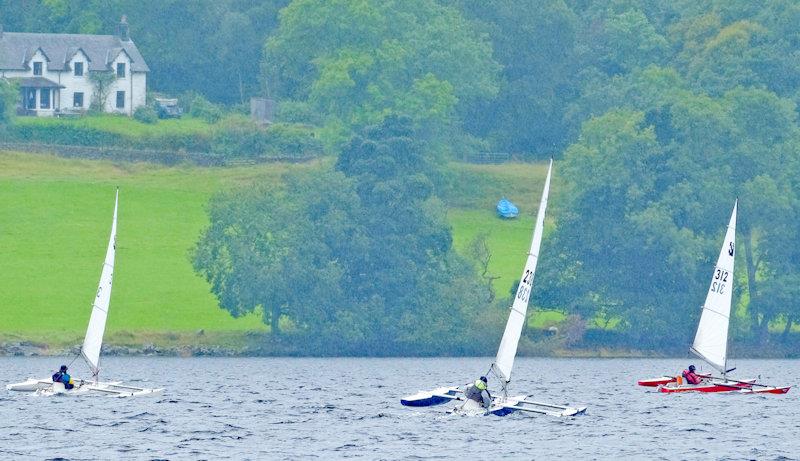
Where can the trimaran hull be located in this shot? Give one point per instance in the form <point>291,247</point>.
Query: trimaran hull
<point>711,340</point>
<point>93,341</point>
<point>46,387</point>
<point>503,404</point>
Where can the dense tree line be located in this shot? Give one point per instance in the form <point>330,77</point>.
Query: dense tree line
<point>663,114</point>
<point>354,259</point>
<point>212,48</point>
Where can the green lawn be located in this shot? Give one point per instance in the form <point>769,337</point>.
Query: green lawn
<point>473,194</point>
<point>55,221</point>
<point>124,126</point>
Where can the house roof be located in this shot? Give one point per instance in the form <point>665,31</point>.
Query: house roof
<point>38,82</point>
<point>17,48</point>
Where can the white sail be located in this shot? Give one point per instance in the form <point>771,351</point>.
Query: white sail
<point>711,340</point>
<point>97,323</point>
<point>508,345</point>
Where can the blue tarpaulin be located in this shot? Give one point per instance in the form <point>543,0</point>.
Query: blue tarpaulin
<point>506,209</point>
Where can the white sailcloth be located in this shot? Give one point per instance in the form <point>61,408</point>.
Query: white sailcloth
<point>97,323</point>
<point>508,345</point>
<point>711,340</point>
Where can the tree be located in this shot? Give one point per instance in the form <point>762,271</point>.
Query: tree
<point>101,81</point>
<point>358,60</point>
<point>351,260</point>
<point>9,95</point>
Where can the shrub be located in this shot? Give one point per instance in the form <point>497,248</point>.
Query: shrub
<point>146,114</point>
<point>204,109</point>
<point>237,135</point>
<point>8,97</point>
<point>296,112</point>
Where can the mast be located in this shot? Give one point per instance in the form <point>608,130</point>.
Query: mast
<point>504,361</point>
<point>93,341</point>
<point>711,339</point>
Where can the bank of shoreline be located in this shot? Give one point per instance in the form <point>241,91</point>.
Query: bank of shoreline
<point>24,348</point>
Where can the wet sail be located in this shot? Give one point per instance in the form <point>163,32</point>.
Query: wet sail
<point>711,340</point>
<point>508,345</point>
<point>97,323</point>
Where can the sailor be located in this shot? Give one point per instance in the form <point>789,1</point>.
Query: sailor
<point>690,376</point>
<point>63,377</point>
<point>477,391</point>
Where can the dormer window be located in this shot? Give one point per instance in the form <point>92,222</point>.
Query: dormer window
<point>37,68</point>
<point>120,70</point>
<point>78,69</point>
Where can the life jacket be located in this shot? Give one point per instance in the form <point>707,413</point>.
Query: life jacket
<point>480,384</point>
<point>691,378</point>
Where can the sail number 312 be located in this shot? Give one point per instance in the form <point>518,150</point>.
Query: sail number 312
<point>719,280</point>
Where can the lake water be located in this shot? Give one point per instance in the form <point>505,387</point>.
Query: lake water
<point>290,408</point>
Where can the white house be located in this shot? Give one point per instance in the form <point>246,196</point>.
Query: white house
<point>53,71</point>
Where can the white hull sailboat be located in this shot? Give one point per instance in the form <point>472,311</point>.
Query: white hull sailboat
<point>711,340</point>
<point>504,404</point>
<point>92,343</point>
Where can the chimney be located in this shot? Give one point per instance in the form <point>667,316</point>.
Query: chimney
<point>122,29</point>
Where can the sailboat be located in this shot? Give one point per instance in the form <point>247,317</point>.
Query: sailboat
<point>93,341</point>
<point>501,368</point>
<point>711,340</point>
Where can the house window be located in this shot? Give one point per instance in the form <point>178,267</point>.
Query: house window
<point>30,98</point>
<point>44,98</point>
<point>77,100</point>
<point>37,68</point>
<point>78,69</point>
<point>120,70</point>
<point>120,99</point>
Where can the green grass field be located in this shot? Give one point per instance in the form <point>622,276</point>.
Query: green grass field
<point>55,221</point>
<point>124,126</point>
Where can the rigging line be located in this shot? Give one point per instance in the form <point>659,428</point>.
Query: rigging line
<point>74,359</point>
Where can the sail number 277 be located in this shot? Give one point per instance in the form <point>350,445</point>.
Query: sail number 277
<point>719,280</point>
<point>524,290</point>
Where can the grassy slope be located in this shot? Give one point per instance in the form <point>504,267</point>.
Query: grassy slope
<point>123,125</point>
<point>472,197</point>
<point>55,220</point>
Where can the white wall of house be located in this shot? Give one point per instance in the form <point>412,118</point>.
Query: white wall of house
<point>76,84</point>
<point>39,59</point>
<point>133,84</point>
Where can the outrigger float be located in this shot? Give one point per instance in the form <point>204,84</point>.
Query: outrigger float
<point>504,404</point>
<point>92,342</point>
<point>711,340</point>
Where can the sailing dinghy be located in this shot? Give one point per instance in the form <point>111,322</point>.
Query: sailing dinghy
<point>711,340</point>
<point>503,404</point>
<point>92,343</point>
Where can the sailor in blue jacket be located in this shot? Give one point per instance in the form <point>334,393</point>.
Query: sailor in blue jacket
<point>63,377</point>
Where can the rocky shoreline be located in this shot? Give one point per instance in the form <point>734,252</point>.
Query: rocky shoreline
<point>34,349</point>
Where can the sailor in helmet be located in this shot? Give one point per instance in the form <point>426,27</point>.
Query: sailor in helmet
<point>690,376</point>
<point>478,392</point>
<point>63,377</point>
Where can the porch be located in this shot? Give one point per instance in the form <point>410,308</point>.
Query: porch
<point>39,97</point>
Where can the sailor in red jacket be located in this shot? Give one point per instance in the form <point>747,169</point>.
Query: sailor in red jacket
<point>690,376</point>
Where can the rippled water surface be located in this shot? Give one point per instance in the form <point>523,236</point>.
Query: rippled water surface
<point>289,408</point>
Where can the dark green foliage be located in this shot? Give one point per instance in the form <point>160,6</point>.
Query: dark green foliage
<point>235,136</point>
<point>238,135</point>
<point>357,260</point>
<point>9,94</point>
<point>201,108</point>
<point>146,114</point>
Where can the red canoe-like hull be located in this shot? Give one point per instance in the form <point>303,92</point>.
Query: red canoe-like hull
<point>655,382</point>
<point>710,387</point>
<point>767,390</point>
